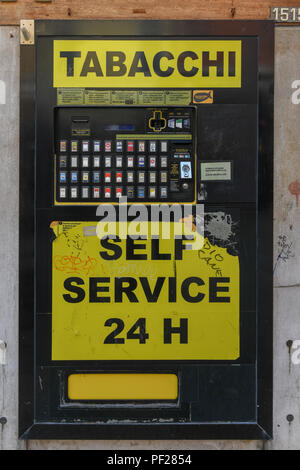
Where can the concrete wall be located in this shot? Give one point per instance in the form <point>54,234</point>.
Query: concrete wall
<point>9,181</point>
<point>286,240</point>
<point>286,262</point>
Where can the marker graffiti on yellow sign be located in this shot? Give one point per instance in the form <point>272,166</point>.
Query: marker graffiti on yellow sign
<point>147,63</point>
<point>133,299</point>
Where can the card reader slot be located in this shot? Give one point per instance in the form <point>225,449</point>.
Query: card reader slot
<point>80,120</point>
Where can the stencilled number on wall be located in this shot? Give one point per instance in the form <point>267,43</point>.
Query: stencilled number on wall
<point>296,93</point>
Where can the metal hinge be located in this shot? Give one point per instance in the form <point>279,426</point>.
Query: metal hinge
<point>27,32</point>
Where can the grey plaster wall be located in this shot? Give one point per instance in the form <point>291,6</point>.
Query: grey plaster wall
<point>9,201</point>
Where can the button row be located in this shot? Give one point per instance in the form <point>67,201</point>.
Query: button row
<point>95,146</point>
<point>117,161</point>
<point>179,123</point>
<point>94,192</point>
<point>109,176</point>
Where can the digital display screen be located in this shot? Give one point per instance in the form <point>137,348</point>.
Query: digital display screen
<point>120,127</point>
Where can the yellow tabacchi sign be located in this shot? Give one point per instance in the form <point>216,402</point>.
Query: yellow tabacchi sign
<point>147,63</point>
<point>134,299</point>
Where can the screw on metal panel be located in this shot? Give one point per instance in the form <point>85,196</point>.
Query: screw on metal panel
<point>3,420</point>
<point>290,418</point>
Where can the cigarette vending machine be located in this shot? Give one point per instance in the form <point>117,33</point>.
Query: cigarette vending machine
<point>146,173</point>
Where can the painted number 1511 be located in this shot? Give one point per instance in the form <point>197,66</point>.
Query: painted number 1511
<point>285,14</point>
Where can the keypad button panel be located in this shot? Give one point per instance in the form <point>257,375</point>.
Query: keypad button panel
<point>149,167</point>
<point>139,177</point>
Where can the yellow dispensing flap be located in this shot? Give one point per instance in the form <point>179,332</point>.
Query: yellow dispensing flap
<point>122,387</point>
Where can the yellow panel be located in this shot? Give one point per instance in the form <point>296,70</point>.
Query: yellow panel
<point>122,387</point>
<point>90,325</point>
<point>87,65</point>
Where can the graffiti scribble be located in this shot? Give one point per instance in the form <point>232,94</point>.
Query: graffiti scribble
<point>285,251</point>
<point>211,257</point>
<point>74,264</point>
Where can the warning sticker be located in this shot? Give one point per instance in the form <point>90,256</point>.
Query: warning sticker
<point>70,96</point>
<point>178,97</point>
<point>124,98</point>
<point>151,97</point>
<point>94,96</point>
<point>149,298</point>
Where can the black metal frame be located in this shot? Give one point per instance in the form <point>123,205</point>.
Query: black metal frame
<point>262,429</point>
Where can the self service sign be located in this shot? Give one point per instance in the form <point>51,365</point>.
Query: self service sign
<point>146,229</point>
